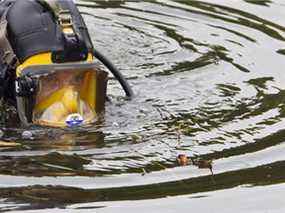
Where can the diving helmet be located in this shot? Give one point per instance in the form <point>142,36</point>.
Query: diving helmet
<point>57,81</point>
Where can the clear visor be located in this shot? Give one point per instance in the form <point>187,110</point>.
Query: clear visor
<point>65,98</point>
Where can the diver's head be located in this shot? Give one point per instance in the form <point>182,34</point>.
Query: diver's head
<point>61,95</point>
<point>61,99</point>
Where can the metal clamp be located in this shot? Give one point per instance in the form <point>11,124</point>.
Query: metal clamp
<point>65,18</point>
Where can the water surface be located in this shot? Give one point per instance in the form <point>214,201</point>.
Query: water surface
<point>209,83</point>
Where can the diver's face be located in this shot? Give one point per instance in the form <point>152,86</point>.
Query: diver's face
<point>61,95</point>
<point>55,82</point>
<point>68,104</point>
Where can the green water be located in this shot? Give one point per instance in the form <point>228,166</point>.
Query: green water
<point>209,83</point>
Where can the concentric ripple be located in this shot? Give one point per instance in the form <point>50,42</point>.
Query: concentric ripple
<point>209,83</point>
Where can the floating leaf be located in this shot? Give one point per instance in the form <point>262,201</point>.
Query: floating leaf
<point>204,164</point>
<point>182,160</point>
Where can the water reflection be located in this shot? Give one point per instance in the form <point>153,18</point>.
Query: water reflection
<point>210,85</point>
<point>259,2</point>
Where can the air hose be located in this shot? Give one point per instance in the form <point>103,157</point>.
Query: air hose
<point>117,74</point>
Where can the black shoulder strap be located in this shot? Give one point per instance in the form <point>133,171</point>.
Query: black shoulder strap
<point>7,57</point>
<point>75,46</point>
<point>62,15</point>
<point>52,5</point>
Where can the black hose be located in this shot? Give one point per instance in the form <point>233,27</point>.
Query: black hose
<point>117,74</point>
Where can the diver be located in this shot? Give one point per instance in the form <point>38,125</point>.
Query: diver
<point>47,64</point>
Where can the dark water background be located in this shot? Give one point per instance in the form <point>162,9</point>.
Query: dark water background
<point>210,84</point>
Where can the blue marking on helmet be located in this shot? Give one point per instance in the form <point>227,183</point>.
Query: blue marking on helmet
<point>74,120</point>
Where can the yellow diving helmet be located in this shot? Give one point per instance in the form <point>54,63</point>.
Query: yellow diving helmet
<point>57,82</point>
<point>67,94</point>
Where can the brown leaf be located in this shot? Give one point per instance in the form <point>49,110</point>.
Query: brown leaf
<point>182,160</point>
<point>204,164</point>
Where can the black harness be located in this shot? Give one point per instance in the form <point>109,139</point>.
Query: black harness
<point>74,45</point>
<point>75,48</point>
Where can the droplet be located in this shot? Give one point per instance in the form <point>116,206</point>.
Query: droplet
<point>115,124</point>
<point>27,135</point>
